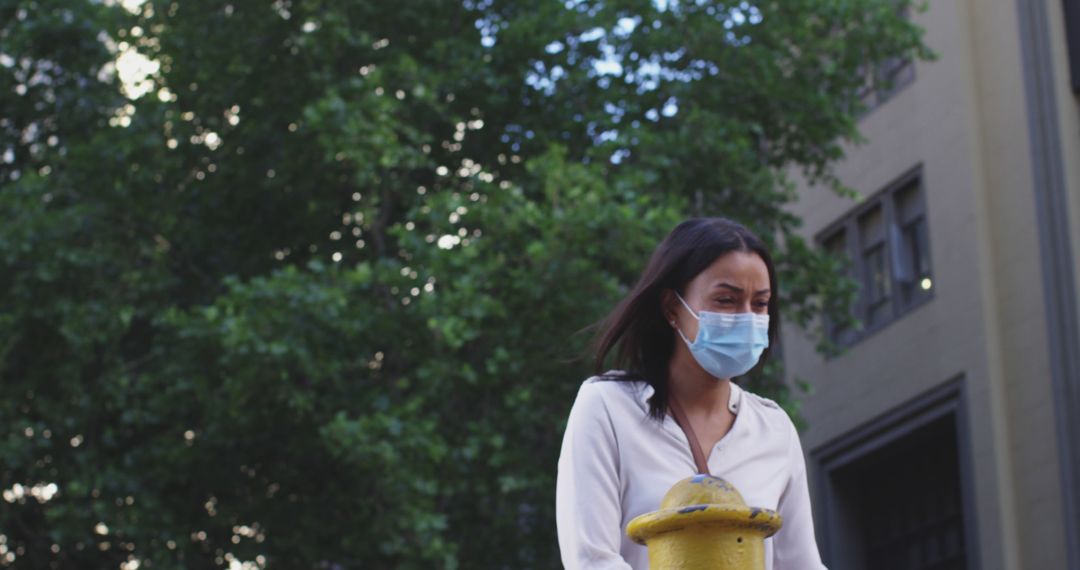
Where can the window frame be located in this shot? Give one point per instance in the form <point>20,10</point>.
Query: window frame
<point>896,255</point>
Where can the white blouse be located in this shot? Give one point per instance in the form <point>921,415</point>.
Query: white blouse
<point>617,463</point>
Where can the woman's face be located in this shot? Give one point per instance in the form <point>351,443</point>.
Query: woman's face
<point>737,282</point>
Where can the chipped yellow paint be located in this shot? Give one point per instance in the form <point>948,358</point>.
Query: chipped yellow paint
<point>704,523</point>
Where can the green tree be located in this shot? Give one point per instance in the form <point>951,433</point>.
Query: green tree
<point>311,293</point>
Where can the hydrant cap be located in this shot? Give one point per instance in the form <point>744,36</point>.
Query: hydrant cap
<point>703,500</point>
<point>702,490</point>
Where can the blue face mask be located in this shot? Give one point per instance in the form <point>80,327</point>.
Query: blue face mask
<point>727,344</point>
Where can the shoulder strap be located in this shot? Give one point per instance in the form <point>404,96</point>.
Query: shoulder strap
<point>695,446</point>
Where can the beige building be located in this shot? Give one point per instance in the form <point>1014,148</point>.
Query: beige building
<point>947,434</point>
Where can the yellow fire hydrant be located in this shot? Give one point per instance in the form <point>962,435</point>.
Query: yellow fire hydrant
<point>703,522</point>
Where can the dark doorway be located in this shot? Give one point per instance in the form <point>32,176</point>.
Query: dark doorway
<point>905,498</point>
<point>895,493</point>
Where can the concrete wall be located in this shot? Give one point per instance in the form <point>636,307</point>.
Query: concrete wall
<point>964,121</point>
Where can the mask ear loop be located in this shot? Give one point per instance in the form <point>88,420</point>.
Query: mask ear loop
<point>689,310</point>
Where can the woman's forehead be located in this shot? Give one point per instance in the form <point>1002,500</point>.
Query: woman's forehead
<point>738,269</point>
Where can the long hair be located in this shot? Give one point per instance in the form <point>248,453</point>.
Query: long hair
<point>636,329</point>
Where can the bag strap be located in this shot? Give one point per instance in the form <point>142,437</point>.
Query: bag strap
<point>695,446</point>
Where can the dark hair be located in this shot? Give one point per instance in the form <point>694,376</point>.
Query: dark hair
<point>637,330</point>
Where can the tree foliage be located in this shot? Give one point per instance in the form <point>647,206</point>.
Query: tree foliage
<point>312,292</point>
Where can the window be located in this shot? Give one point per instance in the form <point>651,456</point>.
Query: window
<point>887,246</point>
<point>875,278</point>
<point>886,79</point>
<point>841,332</point>
<point>914,277</point>
<point>897,491</point>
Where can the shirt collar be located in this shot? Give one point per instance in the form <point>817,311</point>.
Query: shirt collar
<point>735,399</point>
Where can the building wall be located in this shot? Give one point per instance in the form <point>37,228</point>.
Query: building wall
<point>964,120</point>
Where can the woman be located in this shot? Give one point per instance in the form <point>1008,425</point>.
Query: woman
<point>703,312</point>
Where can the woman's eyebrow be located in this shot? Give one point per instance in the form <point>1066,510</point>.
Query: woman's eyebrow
<point>736,289</point>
